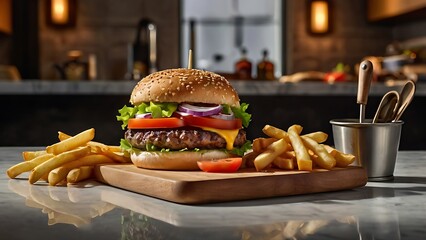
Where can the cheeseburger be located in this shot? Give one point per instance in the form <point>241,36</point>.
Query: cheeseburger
<point>181,116</point>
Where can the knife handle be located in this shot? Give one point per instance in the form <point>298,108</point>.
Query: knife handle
<point>364,82</point>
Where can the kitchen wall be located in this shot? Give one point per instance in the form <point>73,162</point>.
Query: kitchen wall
<point>351,39</point>
<point>104,28</point>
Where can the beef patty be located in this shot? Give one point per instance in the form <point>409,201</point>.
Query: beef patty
<point>176,139</point>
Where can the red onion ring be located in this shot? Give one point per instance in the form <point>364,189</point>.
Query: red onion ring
<point>200,110</point>
<point>223,116</point>
<point>183,114</point>
<point>143,115</point>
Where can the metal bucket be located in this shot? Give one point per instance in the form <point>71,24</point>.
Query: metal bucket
<point>375,145</point>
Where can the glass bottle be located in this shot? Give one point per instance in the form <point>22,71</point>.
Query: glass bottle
<point>243,66</point>
<point>75,68</point>
<point>265,68</point>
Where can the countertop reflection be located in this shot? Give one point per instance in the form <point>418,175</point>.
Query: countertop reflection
<point>380,210</point>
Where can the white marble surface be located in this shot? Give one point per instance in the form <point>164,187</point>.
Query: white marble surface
<point>380,210</point>
<point>40,87</point>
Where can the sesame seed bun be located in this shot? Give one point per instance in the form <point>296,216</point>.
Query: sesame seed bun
<point>185,85</point>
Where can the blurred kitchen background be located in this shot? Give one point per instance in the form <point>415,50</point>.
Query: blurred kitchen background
<point>71,64</point>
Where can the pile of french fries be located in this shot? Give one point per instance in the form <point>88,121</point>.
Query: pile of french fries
<point>290,151</point>
<point>70,160</point>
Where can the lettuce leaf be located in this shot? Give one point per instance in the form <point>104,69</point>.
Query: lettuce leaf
<point>157,110</point>
<point>125,114</point>
<point>239,112</point>
<point>243,149</point>
<point>242,114</point>
<point>126,146</point>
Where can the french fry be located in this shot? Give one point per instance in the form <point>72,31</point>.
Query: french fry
<point>26,166</point>
<point>268,156</point>
<point>313,157</point>
<point>275,132</point>
<point>117,156</point>
<point>57,161</point>
<point>60,173</point>
<point>62,136</point>
<point>284,163</point>
<point>297,128</point>
<point>80,174</point>
<point>324,160</point>
<point>303,160</point>
<point>304,165</point>
<point>72,142</point>
<point>330,150</point>
<point>55,176</point>
<point>342,159</point>
<point>45,177</point>
<point>289,155</point>
<point>260,144</point>
<point>114,149</point>
<point>319,137</point>
<point>29,155</point>
<point>98,147</point>
<point>113,152</point>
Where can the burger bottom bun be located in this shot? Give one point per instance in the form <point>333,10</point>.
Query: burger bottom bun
<point>175,160</point>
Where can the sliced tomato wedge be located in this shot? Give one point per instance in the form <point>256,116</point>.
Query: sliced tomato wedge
<point>197,121</point>
<point>226,165</point>
<point>141,123</point>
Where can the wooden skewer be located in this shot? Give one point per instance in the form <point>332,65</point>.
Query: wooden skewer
<point>190,59</point>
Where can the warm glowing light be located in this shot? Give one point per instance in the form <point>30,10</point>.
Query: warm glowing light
<point>60,10</point>
<point>319,17</point>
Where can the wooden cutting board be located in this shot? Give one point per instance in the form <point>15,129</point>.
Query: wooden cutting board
<point>196,187</point>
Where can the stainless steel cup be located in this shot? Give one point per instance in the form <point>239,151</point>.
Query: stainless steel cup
<point>375,145</point>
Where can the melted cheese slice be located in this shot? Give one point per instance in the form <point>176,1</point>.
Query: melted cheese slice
<point>228,135</point>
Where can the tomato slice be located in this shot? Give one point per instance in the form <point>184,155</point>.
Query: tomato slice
<point>197,121</point>
<point>141,123</point>
<point>226,165</point>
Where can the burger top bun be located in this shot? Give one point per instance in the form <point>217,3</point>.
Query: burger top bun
<point>185,85</point>
<point>175,160</point>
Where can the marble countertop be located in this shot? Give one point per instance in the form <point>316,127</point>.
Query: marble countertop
<point>90,210</point>
<point>267,88</point>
